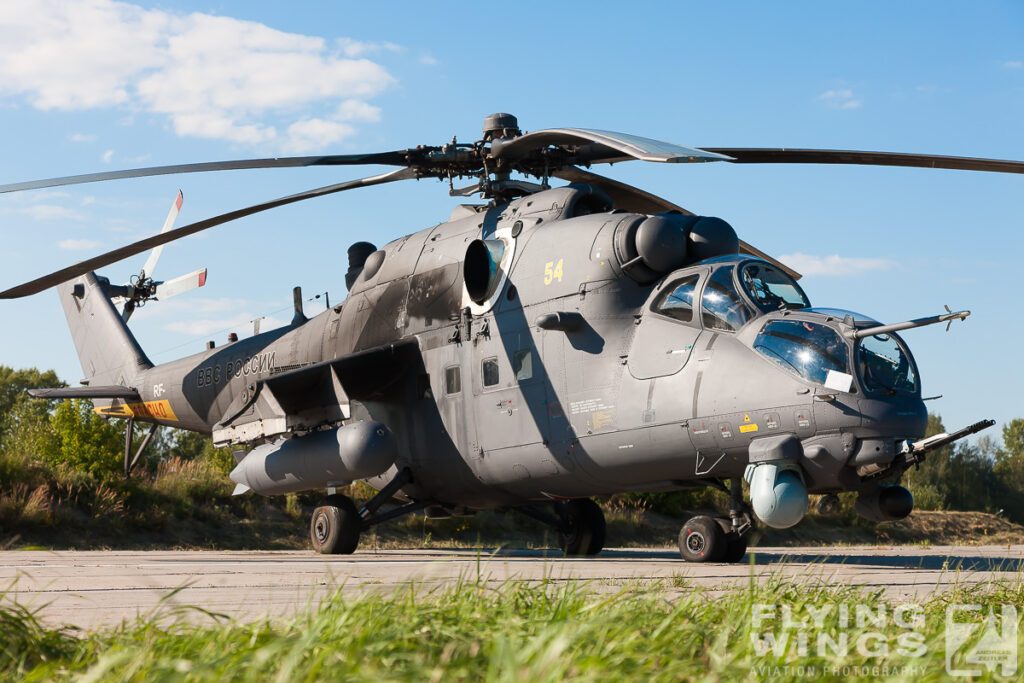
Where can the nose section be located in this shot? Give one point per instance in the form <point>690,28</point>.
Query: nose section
<point>895,416</point>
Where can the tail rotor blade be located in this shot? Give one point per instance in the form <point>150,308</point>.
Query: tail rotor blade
<point>180,285</point>
<point>154,256</point>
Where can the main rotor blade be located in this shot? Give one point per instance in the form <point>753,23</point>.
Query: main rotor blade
<point>601,146</point>
<point>65,274</point>
<point>631,198</point>
<point>397,158</point>
<point>782,155</point>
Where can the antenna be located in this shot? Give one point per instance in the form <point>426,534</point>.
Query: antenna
<point>299,316</point>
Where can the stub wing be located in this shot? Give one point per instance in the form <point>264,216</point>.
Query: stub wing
<point>317,395</point>
<point>126,393</point>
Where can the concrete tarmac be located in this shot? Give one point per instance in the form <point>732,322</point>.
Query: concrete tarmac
<point>91,589</point>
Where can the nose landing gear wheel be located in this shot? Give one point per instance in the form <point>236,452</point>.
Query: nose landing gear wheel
<point>584,528</point>
<point>334,529</point>
<point>702,540</point>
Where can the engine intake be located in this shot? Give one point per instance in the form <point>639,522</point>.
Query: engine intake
<point>647,248</point>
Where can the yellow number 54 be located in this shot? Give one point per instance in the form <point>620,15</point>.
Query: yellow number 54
<point>552,271</point>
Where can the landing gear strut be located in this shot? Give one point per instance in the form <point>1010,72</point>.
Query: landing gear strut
<point>708,539</point>
<point>583,528</point>
<point>579,523</point>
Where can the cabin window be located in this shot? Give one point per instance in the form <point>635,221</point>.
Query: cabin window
<point>522,365</point>
<point>453,380</point>
<point>489,372</point>
<point>677,300</point>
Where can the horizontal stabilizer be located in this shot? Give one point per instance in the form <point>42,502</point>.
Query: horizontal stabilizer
<point>115,391</point>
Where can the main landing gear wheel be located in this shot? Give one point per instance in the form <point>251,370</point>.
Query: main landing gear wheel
<point>334,529</point>
<point>584,528</point>
<point>702,540</point>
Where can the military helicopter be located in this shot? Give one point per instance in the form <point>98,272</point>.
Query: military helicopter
<point>550,345</point>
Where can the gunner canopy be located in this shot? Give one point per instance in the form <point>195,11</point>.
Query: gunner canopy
<point>809,349</point>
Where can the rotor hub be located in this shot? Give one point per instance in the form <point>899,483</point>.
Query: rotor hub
<point>501,126</point>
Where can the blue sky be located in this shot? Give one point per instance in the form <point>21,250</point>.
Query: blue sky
<point>90,86</point>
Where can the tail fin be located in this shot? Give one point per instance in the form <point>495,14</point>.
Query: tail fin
<point>106,347</point>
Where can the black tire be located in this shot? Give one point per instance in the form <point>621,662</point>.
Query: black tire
<point>586,529</point>
<point>735,547</point>
<point>702,540</point>
<point>334,529</point>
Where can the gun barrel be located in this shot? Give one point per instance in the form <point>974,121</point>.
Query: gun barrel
<point>933,443</point>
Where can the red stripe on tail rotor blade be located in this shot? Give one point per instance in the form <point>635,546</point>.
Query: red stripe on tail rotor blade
<point>202,278</point>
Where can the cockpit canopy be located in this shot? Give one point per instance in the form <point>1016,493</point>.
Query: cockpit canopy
<point>813,346</point>
<point>723,305</point>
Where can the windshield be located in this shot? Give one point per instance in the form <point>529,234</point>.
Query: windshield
<point>884,365</point>
<point>811,350</point>
<point>771,289</point>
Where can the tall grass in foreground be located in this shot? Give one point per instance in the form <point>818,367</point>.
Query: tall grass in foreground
<point>514,631</point>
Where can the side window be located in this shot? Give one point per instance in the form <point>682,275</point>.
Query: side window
<point>721,307</point>
<point>453,380</point>
<point>489,372</point>
<point>522,364</point>
<point>677,301</point>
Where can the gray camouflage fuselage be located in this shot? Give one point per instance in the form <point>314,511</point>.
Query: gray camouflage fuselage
<point>629,400</point>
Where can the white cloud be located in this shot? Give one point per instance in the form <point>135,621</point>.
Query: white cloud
<point>1014,64</point>
<point>82,137</point>
<point>309,134</point>
<point>358,48</point>
<point>357,110</point>
<point>833,265</point>
<point>211,76</point>
<point>429,60</point>
<point>51,212</point>
<point>107,156</point>
<point>839,99</point>
<point>78,245</point>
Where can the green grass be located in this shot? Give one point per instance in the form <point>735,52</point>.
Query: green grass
<point>546,631</point>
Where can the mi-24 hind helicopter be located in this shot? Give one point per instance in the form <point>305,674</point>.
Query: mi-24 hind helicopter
<point>553,344</point>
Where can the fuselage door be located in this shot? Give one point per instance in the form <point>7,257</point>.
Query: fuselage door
<point>509,386</point>
<point>668,329</point>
